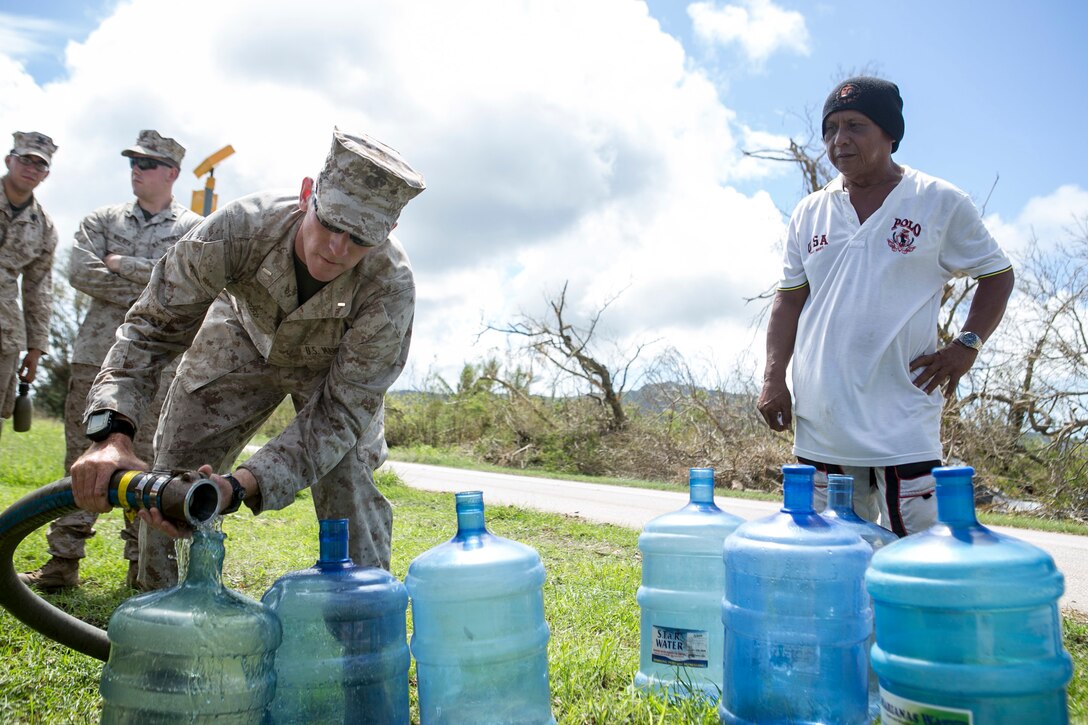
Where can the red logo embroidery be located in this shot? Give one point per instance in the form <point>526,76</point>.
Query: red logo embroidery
<point>848,90</point>
<point>904,234</point>
<point>819,241</point>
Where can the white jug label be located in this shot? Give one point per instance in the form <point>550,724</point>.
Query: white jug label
<point>685,647</point>
<point>895,710</point>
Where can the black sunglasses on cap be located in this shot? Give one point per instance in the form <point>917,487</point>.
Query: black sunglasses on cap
<point>145,164</point>
<point>317,215</point>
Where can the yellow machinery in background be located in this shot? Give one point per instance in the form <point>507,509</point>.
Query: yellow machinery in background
<point>205,200</point>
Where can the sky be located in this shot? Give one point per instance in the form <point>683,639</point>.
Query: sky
<point>593,143</point>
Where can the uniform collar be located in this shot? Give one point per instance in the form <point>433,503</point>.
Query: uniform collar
<point>170,212</point>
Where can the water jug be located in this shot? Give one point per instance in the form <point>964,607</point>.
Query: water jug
<point>344,656</point>
<point>196,653</point>
<point>24,409</point>
<point>479,636</point>
<point>967,622</point>
<point>797,618</point>
<point>840,510</point>
<point>682,640</point>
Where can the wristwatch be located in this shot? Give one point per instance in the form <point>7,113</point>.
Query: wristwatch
<point>103,423</point>
<point>969,339</point>
<point>238,493</point>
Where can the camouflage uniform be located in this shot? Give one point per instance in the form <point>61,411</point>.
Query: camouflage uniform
<point>335,355</point>
<point>27,243</point>
<point>120,229</point>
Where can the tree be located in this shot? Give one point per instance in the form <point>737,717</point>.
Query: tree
<point>69,309</point>
<point>567,347</point>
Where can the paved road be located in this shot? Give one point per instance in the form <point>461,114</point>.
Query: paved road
<point>633,507</point>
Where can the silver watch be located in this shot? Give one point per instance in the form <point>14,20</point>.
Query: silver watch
<point>969,339</point>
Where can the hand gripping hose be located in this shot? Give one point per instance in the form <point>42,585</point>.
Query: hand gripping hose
<point>180,496</point>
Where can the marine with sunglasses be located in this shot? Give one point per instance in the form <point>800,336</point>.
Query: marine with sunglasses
<point>27,241</point>
<point>277,294</point>
<point>115,249</point>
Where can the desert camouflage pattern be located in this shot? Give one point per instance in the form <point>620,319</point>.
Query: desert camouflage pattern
<point>119,229</point>
<point>150,143</point>
<point>363,187</point>
<point>32,143</point>
<point>335,355</point>
<point>27,244</point>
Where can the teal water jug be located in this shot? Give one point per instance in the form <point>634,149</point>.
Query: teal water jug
<point>196,653</point>
<point>840,510</point>
<point>967,621</point>
<point>479,636</point>
<point>796,615</point>
<point>344,656</point>
<point>682,639</point>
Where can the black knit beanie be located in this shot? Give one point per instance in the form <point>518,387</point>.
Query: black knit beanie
<point>876,98</point>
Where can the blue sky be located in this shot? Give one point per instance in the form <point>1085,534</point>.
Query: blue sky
<point>591,142</point>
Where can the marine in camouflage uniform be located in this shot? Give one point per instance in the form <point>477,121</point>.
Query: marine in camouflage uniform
<point>276,294</point>
<point>115,249</point>
<point>27,242</point>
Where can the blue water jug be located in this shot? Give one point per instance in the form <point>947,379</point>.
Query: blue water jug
<point>797,618</point>
<point>479,636</point>
<point>344,656</point>
<point>682,641</point>
<point>196,653</point>
<point>967,622</point>
<point>840,510</point>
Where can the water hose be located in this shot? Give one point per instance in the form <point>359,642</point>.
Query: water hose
<point>181,496</point>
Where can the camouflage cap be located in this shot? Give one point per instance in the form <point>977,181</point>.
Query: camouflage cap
<point>32,143</point>
<point>364,186</point>
<point>150,143</point>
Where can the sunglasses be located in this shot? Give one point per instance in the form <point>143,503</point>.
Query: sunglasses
<point>145,164</point>
<point>38,164</point>
<point>335,230</point>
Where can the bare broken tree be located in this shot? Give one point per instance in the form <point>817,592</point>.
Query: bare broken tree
<point>566,346</point>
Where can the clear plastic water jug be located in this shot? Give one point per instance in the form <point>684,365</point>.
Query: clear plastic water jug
<point>840,510</point>
<point>682,638</point>
<point>967,621</point>
<point>797,618</point>
<point>344,656</point>
<point>196,653</point>
<point>479,636</point>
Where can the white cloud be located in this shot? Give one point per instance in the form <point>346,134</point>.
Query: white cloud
<point>1050,219</point>
<point>22,37</point>
<point>759,27</point>
<point>560,141</point>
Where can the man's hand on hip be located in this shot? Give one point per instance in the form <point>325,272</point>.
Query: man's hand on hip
<point>943,368</point>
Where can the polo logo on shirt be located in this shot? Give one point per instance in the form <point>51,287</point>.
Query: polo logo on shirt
<point>819,241</point>
<point>904,234</point>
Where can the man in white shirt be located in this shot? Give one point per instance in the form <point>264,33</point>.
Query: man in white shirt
<point>866,261</point>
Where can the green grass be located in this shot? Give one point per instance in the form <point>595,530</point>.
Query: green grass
<point>593,572</point>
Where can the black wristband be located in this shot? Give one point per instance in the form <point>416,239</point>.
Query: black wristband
<point>238,493</point>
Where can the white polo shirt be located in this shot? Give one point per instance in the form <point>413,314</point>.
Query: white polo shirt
<point>874,297</point>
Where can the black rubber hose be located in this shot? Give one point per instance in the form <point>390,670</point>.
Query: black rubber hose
<point>184,496</point>
<point>24,516</point>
